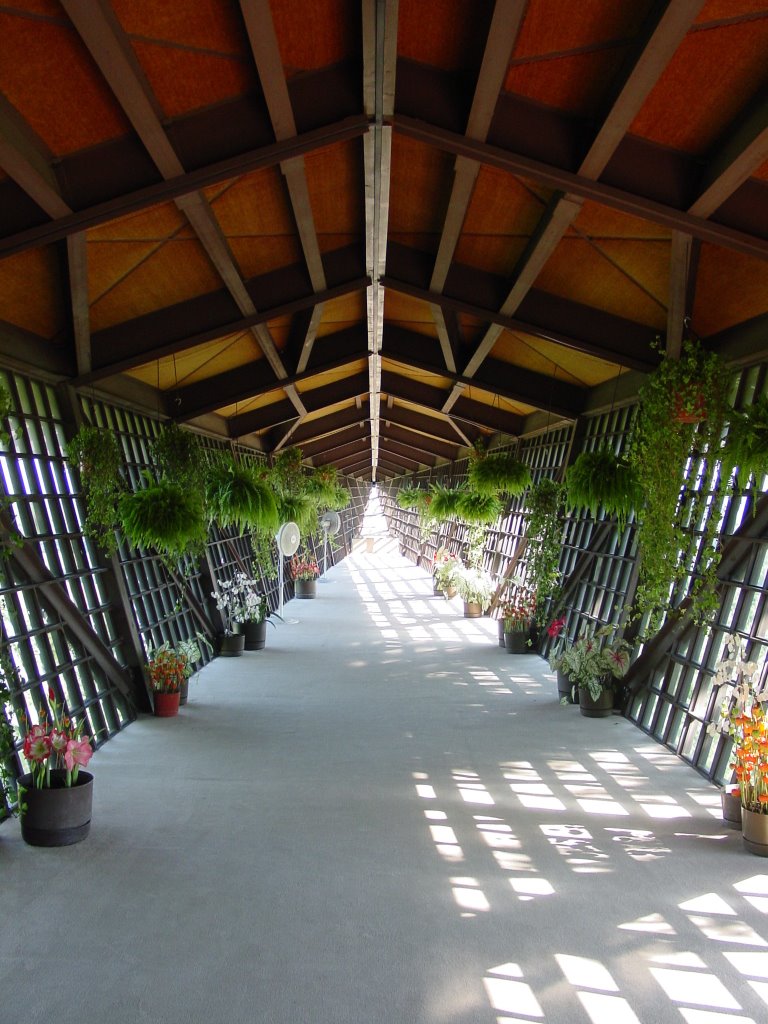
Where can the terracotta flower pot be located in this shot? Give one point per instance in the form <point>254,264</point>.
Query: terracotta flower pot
<point>166,704</point>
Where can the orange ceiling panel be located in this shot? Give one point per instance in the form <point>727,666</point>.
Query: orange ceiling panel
<point>502,204</point>
<point>494,254</point>
<point>719,10</point>
<point>183,80</point>
<point>575,84</point>
<point>487,397</point>
<point>699,93</point>
<point>339,373</point>
<point>212,26</point>
<point>424,175</point>
<point>433,380</point>
<point>155,224</point>
<point>730,288</point>
<point>256,204</point>
<point>603,222</point>
<point>444,33</point>
<point>33,273</point>
<point>334,180</point>
<point>550,29</point>
<point>200,363</point>
<point>64,101</point>
<point>343,311</point>
<point>259,255</point>
<point>156,282</point>
<point>551,359</point>
<point>408,312</point>
<point>610,277</point>
<point>314,33</point>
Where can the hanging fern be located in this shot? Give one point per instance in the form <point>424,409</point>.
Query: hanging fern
<point>498,473</point>
<point>299,509</point>
<point>164,516</point>
<point>544,506</point>
<point>323,487</point>
<point>236,496</point>
<point>478,509</point>
<point>602,478</point>
<point>444,502</point>
<point>746,448</point>
<point>413,498</point>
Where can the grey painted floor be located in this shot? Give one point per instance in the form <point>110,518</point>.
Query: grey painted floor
<point>383,818</point>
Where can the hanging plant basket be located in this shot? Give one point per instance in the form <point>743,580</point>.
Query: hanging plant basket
<point>445,502</point>
<point>164,516</point>
<point>236,496</point>
<point>498,473</point>
<point>478,509</point>
<point>178,456</point>
<point>96,453</point>
<point>603,479</point>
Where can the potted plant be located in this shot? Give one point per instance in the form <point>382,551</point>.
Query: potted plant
<point>603,478</point>
<point>304,573</point>
<point>736,685</point>
<point>96,453</point>
<point>178,456</point>
<point>444,572</point>
<point>556,653</point>
<point>55,797</point>
<point>750,763</point>
<point>167,669</point>
<point>518,615</point>
<point>246,609</point>
<point>192,649</point>
<point>475,587</point>
<point>592,663</point>
<point>667,450</point>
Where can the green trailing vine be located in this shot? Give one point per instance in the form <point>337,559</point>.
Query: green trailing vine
<point>7,740</point>
<point>603,478</point>
<point>675,457</point>
<point>96,453</point>
<point>178,456</point>
<point>545,507</point>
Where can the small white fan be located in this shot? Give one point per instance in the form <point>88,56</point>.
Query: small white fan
<point>330,524</point>
<point>287,539</point>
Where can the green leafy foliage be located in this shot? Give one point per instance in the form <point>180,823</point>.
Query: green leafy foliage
<point>177,455</point>
<point>544,535</point>
<point>444,502</point>
<point>235,495</point>
<point>413,498</point>
<point>602,478</point>
<point>164,516</point>
<point>746,450</point>
<point>677,527</point>
<point>96,453</point>
<point>478,509</point>
<point>498,473</point>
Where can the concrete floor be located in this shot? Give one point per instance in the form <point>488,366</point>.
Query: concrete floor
<point>384,818</point>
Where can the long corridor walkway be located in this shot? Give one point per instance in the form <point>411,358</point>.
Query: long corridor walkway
<point>384,818</point>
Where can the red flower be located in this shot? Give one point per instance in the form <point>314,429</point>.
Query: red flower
<point>554,628</point>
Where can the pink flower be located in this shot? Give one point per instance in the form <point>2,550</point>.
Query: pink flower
<point>37,745</point>
<point>77,754</point>
<point>58,740</point>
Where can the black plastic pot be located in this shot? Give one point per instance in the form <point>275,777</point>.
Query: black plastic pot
<point>59,815</point>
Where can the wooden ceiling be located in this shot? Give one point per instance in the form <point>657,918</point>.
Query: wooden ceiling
<point>376,229</point>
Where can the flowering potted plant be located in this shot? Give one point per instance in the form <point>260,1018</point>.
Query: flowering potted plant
<point>741,717</point>
<point>592,663</point>
<point>444,568</point>
<point>518,614</point>
<point>475,587</point>
<point>556,651</point>
<point>304,573</point>
<point>55,796</point>
<point>246,611</point>
<point>168,671</point>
